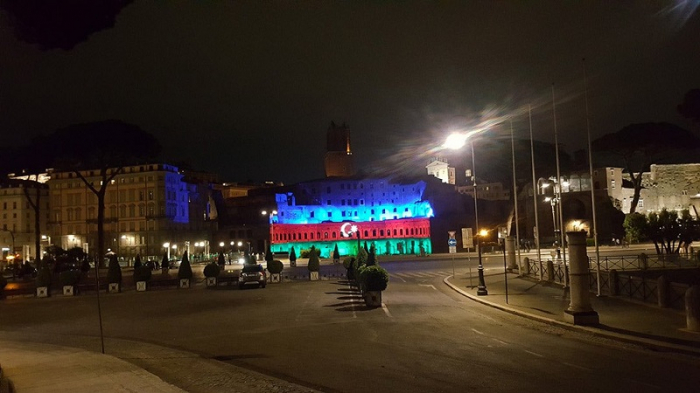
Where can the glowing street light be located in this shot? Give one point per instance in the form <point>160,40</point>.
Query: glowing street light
<point>272,224</point>
<point>481,289</point>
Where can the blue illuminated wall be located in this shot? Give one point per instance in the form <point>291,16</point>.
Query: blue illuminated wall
<point>368,201</point>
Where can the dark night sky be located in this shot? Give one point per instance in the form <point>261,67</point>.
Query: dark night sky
<point>247,89</point>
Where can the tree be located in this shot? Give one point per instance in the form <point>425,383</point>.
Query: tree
<point>60,24</point>
<point>690,107</point>
<point>636,227</point>
<point>669,231</point>
<point>137,261</point>
<point>292,257</point>
<point>336,254</point>
<point>105,147</point>
<point>640,145</point>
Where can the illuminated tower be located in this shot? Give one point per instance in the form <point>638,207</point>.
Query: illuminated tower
<point>338,160</point>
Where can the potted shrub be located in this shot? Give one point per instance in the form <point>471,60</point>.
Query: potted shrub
<point>268,255</point>
<point>43,280</point>
<point>69,279</point>
<point>374,280</point>
<point>336,255</point>
<point>222,261</point>
<point>114,275</point>
<point>184,273</point>
<point>211,272</point>
<point>165,264</point>
<point>142,275</point>
<point>275,268</point>
<point>293,258</point>
<point>314,264</point>
<point>137,262</point>
<point>348,264</point>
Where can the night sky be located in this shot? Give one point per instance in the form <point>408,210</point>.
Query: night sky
<point>248,89</point>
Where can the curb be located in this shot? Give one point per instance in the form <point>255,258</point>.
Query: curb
<point>628,338</point>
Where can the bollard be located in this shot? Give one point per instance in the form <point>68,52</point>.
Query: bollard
<point>550,271</point>
<point>643,261</point>
<point>580,310</point>
<point>525,271</point>
<point>692,308</point>
<point>613,283</point>
<point>662,293</point>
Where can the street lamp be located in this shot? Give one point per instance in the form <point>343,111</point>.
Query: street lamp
<point>167,247</point>
<point>554,201</point>
<point>481,289</point>
<point>272,227</point>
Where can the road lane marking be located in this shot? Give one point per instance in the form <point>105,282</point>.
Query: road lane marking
<point>533,353</point>
<point>476,331</point>
<point>575,366</point>
<point>397,276</point>
<point>499,341</point>
<point>427,285</point>
<point>386,311</point>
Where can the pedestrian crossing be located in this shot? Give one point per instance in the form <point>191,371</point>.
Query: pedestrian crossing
<point>420,274</point>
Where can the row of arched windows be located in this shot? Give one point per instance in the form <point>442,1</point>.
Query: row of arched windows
<point>373,233</point>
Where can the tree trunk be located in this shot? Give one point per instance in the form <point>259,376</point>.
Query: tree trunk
<point>637,182</point>
<point>37,224</point>
<point>100,225</point>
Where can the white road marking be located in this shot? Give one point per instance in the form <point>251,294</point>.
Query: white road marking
<point>476,331</point>
<point>499,341</point>
<point>397,276</point>
<point>386,310</point>
<point>427,285</point>
<point>575,366</point>
<point>533,353</point>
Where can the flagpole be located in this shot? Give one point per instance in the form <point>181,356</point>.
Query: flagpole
<point>536,232</point>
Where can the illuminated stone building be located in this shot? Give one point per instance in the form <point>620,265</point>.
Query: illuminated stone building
<point>389,214</point>
<point>146,206</point>
<point>17,219</point>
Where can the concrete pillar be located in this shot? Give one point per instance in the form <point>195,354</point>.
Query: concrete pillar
<point>692,308</point>
<point>510,253</point>
<point>662,293</point>
<point>580,311</point>
<point>525,268</point>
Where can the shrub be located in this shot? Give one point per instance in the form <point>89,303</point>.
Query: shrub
<point>362,256</point>
<point>137,262</point>
<point>142,273</point>
<point>347,262</point>
<point>43,276</point>
<point>268,255</point>
<point>374,278</point>
<point>372,257</point>
<point>222,261</point>
<point>292,255</point>
<point>164,263</point>
<point>305,253</point>
<point>185,270</point>
<point>275,267</point>
<point>69,277</point>
<point>336,253</point>
<point>314,262</point>
<point>85,265</point>
<point>211,270</point>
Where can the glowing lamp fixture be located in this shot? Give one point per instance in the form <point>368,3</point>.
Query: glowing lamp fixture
<point>455,141</point>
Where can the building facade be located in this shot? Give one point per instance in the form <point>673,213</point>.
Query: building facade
<point>439,168</point>
<point>146,208</point>
<point>17,220</point>
<point>389,214</point>
<point>338,161</point>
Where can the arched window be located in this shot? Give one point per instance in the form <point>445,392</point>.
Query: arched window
<point>325,235</point>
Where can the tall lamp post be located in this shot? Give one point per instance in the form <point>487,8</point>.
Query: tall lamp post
<point>481,289</point>
<point>456,141</point>
<point>272,225</point>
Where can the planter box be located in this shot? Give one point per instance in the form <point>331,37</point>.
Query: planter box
<point>275,278</point>
<point>184,283</point>
<point>42,291</point>
<point>211,281</point>
<point>313,276</point>
<point>373,298</point>
<point>68,290</point>
<point>141,286</point>
<point>293,263</point>
<point>113,287</point>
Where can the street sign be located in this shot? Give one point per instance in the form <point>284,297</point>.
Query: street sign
<point>452,242</point>
<point>453,249</point>
<point>502,232</point>
<point>467,238</point>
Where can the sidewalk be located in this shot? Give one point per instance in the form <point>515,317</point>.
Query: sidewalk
<point>37,368</point>
<point>620,319</point>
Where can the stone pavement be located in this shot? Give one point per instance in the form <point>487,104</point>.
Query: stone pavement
<point>620,319</point>
<point>36,368</point>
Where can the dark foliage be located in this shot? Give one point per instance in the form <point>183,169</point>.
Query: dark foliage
<point>114,271</point>
<point>185,270</point>
<point>60,24</point>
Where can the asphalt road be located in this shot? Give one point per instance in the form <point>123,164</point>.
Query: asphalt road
<point>427,338</point>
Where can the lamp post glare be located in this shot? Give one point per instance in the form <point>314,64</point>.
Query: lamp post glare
<point>481,290</point>
<point>455,141</point>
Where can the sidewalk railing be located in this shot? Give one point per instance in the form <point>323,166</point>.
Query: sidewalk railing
<point>644,262</point>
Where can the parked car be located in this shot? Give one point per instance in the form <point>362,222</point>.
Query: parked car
<point>252,274</point>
